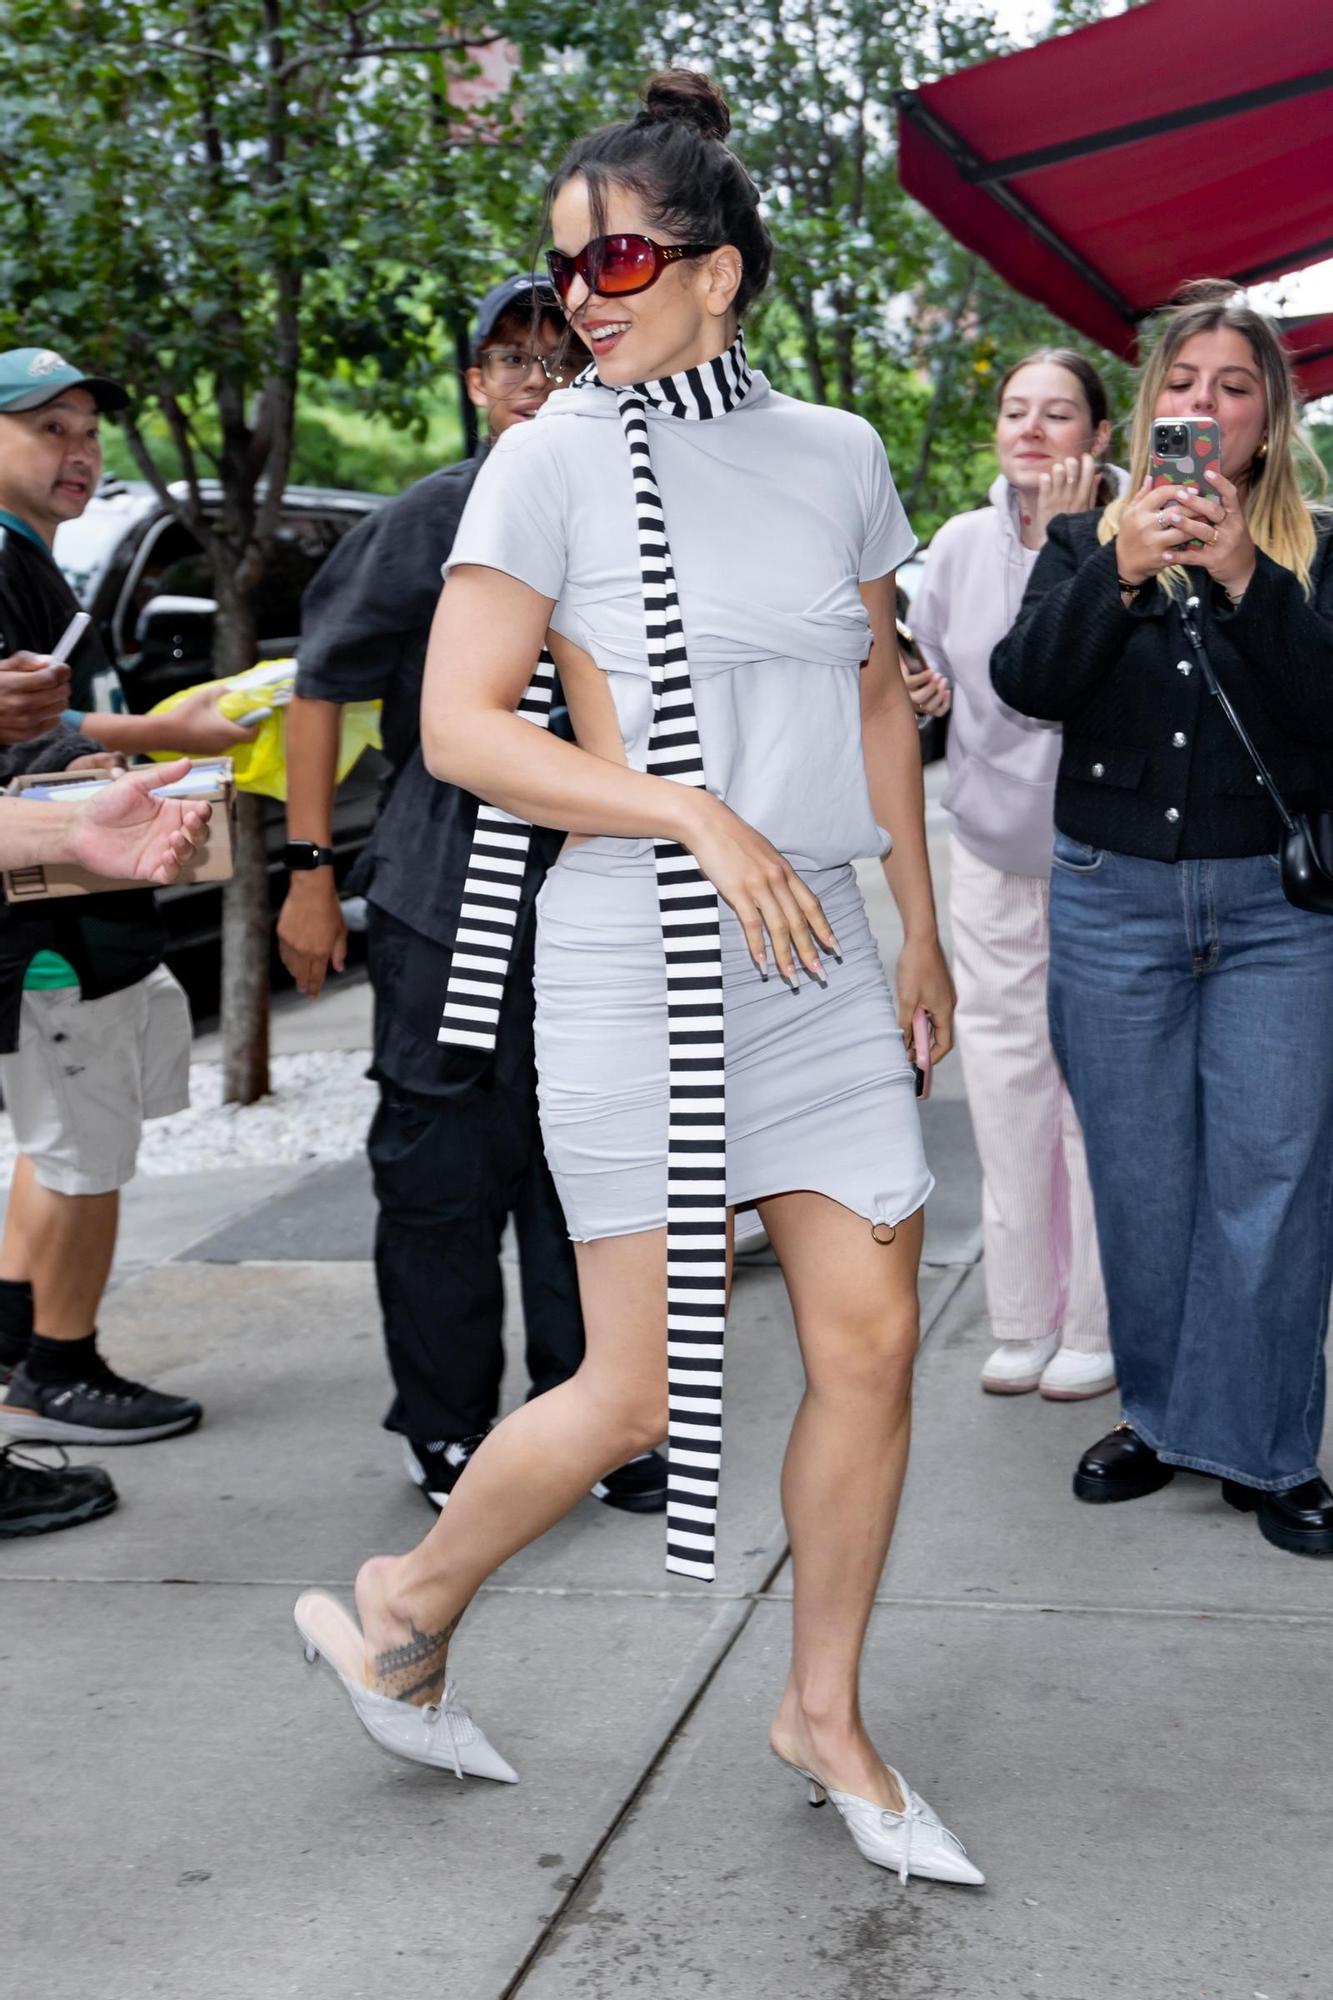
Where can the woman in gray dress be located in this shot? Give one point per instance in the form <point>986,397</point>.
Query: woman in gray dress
<point>711,564</point>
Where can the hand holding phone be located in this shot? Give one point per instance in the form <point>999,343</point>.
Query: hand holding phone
<point>921,1058</point>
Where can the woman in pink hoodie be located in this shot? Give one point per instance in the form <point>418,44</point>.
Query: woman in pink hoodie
<point>1043,1274</point>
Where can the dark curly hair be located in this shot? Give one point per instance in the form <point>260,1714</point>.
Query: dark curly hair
<point>672,155</point>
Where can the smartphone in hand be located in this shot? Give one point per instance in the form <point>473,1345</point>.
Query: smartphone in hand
<point>921,1051</point>
<point>69,639</point>
<point>1181,451</point>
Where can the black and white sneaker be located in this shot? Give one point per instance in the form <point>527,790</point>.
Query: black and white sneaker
<point>101,1409</point>
<point>637,1488</point>
<point>36,1499</point>
<point>436,1468</point>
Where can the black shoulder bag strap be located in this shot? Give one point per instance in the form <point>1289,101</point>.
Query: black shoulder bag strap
<point>1306,879</point>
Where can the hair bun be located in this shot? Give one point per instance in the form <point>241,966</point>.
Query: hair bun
<point>1208,291</point>
<point>686,97</point>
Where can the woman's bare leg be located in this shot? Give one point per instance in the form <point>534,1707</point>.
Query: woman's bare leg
<point>531,1469</point>
<point>855,1303</point>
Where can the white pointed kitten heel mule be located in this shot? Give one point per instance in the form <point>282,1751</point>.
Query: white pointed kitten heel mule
<point>441,1734</point>
<point>913,1842</point>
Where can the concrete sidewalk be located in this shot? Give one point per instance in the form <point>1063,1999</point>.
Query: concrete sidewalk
<point>1120,1710</point>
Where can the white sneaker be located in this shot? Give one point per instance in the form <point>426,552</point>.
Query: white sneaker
<point>1016,1366</point>
<point>1070,1376</point>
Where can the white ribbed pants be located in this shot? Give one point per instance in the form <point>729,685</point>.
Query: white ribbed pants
<point>1038,1235</point>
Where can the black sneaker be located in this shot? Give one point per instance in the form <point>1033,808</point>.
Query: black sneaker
<point>436,1468</point>
<point>35,1499</point>
<point>101,1409</point>
<point>637,1488</point>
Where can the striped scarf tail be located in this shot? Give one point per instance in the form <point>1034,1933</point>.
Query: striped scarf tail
<point>492,886</point>
<point>696,1063</point>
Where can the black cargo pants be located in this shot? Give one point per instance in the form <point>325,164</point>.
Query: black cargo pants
<point>455,1150</point>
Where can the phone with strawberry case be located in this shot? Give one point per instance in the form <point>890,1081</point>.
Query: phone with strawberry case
<point>1182,451</point>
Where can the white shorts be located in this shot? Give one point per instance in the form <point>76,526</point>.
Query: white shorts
<point>87,1073</point>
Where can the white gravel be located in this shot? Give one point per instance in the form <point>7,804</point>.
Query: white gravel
<point>319,1109</point>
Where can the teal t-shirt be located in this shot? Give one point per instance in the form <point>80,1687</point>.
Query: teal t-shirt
<point>48,972</point>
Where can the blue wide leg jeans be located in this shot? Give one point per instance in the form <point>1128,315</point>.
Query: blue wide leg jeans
<point>1191,1010</point>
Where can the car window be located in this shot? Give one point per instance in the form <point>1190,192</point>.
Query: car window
<point>302,544</point>
<point>169,562</point>
<point>172,564</point>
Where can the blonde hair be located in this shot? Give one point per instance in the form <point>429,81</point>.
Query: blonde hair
<point>1280,519</point>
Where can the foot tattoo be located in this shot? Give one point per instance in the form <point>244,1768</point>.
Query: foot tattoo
<point>415,1668</point>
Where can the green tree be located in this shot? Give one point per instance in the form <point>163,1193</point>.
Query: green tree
<point>216,199</point>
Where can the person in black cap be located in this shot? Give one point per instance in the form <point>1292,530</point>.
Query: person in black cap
<point>94,1031</point>
<point>454,1146</point>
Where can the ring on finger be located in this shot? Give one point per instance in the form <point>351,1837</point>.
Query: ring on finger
<point>1216,534</point>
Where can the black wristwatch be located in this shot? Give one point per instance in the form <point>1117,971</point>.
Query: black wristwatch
<point>302,854</point>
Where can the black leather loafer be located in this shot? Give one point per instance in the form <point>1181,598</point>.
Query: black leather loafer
<point>1120,1466</point>
<point>1299,1520</point>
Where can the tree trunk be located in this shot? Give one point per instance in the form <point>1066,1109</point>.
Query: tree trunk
<point>245,910</point>
<point>946,363</point>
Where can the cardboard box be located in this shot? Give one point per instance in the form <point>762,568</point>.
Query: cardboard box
<point>213,862</point>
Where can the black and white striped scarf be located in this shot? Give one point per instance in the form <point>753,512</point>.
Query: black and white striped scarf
<point>691,936</point>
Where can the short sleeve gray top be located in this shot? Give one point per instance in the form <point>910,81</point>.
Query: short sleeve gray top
<point>774,513</point>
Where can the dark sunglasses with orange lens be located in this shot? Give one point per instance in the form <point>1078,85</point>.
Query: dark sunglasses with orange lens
<point>615,266</point>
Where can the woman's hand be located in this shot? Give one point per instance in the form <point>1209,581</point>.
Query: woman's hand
<point>930,692</point>
<point>769,897</point>
<point>1068,488</point>
<point>1217,520</point>
<point>1147,540</point>
<point>923,980</point>
<point>122,831</point>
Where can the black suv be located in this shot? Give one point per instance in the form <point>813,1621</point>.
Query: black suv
<point>145,579</point>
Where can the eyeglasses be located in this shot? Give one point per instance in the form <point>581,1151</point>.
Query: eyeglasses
<point>506,369</point>
<point>616,266</point>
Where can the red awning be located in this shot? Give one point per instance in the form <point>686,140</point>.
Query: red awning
<point>1096,173</point>
<point>1310,342</point>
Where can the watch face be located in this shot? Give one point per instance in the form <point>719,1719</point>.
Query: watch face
<point>305,854</point>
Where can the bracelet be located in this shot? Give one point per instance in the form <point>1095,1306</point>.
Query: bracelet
<point>1125,584</point>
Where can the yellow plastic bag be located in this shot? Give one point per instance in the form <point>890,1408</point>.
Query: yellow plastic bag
<point>265,690</point>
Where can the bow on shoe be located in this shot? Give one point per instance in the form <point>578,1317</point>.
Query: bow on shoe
<point>449,1710</point>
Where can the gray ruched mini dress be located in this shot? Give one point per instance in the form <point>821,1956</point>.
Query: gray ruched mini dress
<point>775,514</point>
